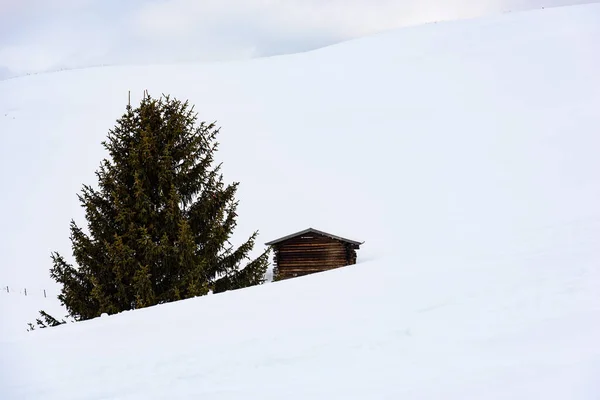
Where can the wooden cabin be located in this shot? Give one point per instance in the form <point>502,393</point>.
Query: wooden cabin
<point>311,251</point>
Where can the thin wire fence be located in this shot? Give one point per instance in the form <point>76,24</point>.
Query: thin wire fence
<point>6,289</point>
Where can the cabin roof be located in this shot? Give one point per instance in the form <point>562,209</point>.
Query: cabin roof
<point>311,230</point>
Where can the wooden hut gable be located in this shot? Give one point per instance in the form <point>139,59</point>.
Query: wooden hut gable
<point>311,233</point>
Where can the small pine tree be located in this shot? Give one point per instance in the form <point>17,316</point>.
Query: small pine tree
<point>160,221</point>
<point>48,321</point>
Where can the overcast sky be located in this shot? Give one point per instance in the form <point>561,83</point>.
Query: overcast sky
<point>42,35</point>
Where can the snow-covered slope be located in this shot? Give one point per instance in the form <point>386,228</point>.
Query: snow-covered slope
<point>464,154</point>
<point>18,308</point>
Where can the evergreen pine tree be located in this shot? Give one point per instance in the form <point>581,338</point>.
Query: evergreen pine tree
<point>48,321</point>
<point>160,221</point>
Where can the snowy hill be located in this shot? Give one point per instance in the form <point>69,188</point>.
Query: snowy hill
<point>464,154</point>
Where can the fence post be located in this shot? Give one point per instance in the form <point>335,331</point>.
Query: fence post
<point>25,291</point>
<point>7,291</point>
<point>44,292</point>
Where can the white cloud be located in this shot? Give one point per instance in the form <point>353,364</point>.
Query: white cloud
<point>36,35</point>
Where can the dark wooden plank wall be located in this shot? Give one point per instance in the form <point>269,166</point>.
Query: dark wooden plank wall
<point>311,253</point>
